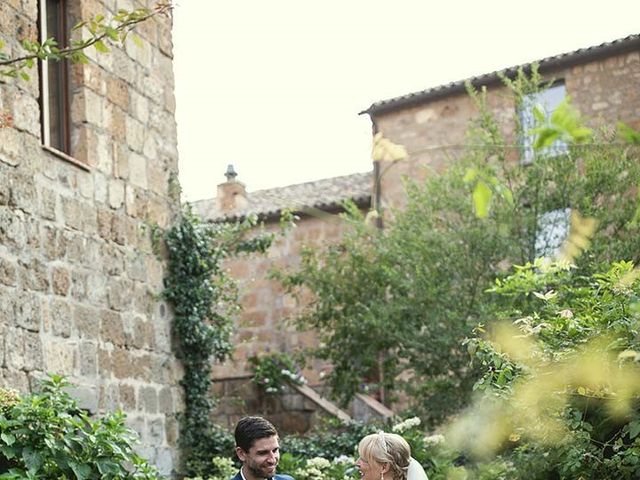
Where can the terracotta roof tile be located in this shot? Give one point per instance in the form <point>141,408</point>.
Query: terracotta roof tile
<point>325,194</point>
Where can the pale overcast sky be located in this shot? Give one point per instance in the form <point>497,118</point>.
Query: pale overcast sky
<point>275,86</point>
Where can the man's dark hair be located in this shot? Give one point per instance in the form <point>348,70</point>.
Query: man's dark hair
<point>250,429</point>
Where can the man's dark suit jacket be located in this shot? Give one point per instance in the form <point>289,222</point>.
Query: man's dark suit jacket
<point>275,477</point>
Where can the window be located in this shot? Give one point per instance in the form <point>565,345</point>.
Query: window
<point>552,230</point>
<point>54,79</point>
<point>549,100</point>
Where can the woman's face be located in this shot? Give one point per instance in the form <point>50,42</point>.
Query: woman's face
<point>369,470</point>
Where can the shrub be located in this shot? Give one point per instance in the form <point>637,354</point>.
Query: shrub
<point>392,306</point>
<point>330,440</point>
<point>45,435</point>
<point>273,371</point>
<point>561,377</point>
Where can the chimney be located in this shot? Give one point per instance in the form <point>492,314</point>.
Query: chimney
<point>232,194</point>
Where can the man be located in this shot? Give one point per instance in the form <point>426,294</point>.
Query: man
<point>258,449</point>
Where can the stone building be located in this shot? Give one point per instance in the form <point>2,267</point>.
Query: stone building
<point>432,124</point>
<point>602,82</point>
<point>262,326</point>
<point>86,169</point>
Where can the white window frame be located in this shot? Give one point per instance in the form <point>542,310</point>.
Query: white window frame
<point>548,100</point>
<point>552,230</point>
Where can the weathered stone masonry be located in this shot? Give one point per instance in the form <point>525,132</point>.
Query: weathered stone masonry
<point>79,282</point>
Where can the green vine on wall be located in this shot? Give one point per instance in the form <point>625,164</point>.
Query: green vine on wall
<point>204,299</point>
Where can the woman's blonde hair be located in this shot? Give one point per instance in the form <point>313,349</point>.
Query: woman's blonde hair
<point>387,448</point>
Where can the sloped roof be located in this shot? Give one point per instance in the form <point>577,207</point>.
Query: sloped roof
<point>621,45</point>
<point>326,194</point>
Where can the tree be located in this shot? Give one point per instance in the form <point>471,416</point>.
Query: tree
<point>392,306</point>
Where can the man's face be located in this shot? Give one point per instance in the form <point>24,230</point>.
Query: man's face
<point>261,459</point>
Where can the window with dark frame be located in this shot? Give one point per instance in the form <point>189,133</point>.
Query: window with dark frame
<point>55,79</point>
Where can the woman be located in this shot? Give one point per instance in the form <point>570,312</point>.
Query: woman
<point>387,456</point>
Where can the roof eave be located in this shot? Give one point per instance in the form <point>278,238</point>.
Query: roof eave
<point>335,207</point>
<point>616,47</point>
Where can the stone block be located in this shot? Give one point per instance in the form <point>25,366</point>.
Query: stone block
<point>26,114</point>
<point>54,242</point>
<point>100,186</point>
<point>165,401</point>
<point>142,299</point>
<point>119,294</point>
<point>60,356</point>
<point>113,258</point>
<point>60,280</point>
<point>142,333</point>
<point>86,321</point>
<point>48,204</point>
<point>79,279</point>
<point>85,185</point>
<point>12,228</point>
<point>86,396</point>
<point>116,193</point>
<point>105,365</point>
<point>139,107</point>
<point>12,149</point>
<point>150,150</point>
<point>33,356</point>
<point>28,310</point>
<point>138,170</point>
<point>79,215</point>
<point>118,229</point>
<point>130,200</point>
<point>24,194</point>
<point>141,367</point>
<point>14,348</point>
<point>109,398</point>
<point>122,364</point>
<point>135,133</point>
<point>136,266</point>
<point>118,92</point>
<point>127,397</point>
<point>16,379</point>
<point>59,320</point>
<point>172,429</point>
<point>88,352</point>
<point>148,399</point>
<point>96,293</point>
<point>8,272</point>
<point>104,223</point>
<point>112,328</point>
<point>33,275</point>
<point>137,423</point>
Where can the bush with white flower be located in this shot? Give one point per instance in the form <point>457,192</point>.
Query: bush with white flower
<point>405,425</point>
<point>273,371</point>
<point>224,466</point>
<point>319,468</point>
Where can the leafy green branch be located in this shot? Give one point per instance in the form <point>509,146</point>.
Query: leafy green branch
<point>100,30</point>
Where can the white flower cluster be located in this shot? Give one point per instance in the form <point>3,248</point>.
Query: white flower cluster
<point>314,469</point>
<point>406,425</point>
<point>432,440</point>
<point>343,459</point>
<point>319,462</point>
<point>294,377</point>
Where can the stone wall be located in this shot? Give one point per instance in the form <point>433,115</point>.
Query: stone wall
<point>290,412</point>
<point>604,91</point>
<point>262,325</point>
<point>79,282</point>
